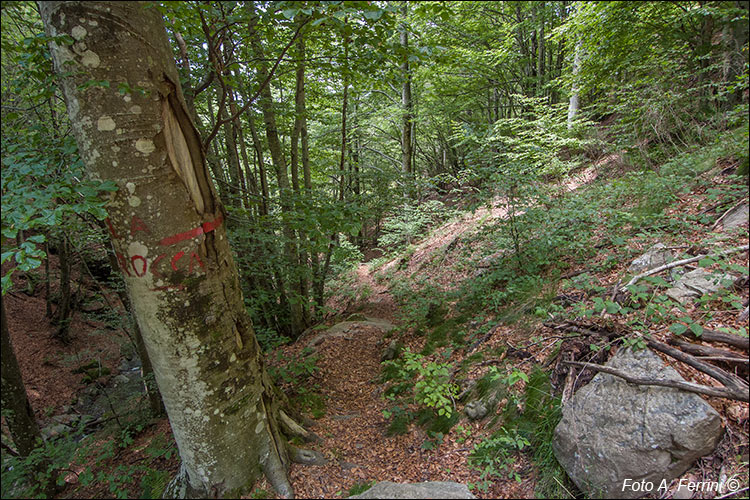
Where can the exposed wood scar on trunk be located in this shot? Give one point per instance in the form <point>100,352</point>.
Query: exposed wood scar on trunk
<point>184,150</point>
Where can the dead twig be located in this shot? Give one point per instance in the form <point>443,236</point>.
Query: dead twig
<point>675,384</point>
<point>730,380</point>
<point>702,350</point>
<point>682,262</point>
<point>723,338</point>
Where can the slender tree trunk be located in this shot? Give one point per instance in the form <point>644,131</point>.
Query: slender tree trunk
<point>64,309</point>
<point>17,411</point>
<point>171,242</point>
<point>540,53</point>
<point>16,407</point>
<point>282,175</point>
<point>300,132</point>
<point>574,104</point>
<point>47,282</point>
<point>406,102</point>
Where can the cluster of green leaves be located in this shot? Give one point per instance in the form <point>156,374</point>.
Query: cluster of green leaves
<point>666,70</point>
<point>293,376</point>
<point>529,430</point>
<point>414,379</point>
<point>44,189</point>
<point>29,477</point>
<point>409,222</point>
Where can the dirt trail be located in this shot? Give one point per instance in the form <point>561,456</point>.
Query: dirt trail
<point>353,429</point>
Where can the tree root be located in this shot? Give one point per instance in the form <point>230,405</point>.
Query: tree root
<point>293,429</point>
<point>304,456</point>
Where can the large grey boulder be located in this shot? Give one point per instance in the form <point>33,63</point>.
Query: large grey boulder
<point>432,489</point>
<point>697,283</point>
<point>612,430</point>
<point>656,256</point>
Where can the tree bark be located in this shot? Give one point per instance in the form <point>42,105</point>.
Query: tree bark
<point>574,104</point>
<point>64,307</point>
<point>170,240</point>
<point>16,407</point>
<point>406,102</point>
<point>282,175</point>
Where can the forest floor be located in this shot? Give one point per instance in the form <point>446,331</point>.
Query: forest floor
<point>345,386</point>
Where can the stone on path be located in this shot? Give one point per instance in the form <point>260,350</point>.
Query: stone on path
<point>346,327</point>
<point>612,430</point>
<point>737,217</point>
<point>433,489</point>
<point>697,283</point>
<point>656,256</point>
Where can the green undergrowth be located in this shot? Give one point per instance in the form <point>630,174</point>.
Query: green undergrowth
<point>599,227</point>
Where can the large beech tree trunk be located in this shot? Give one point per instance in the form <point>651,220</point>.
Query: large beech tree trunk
<point>168,232</point>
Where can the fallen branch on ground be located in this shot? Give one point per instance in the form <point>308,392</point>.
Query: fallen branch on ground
<point>722,337</point>
<point>707,351</point>
<point>730,380</point>
<point>718,221</point>
<point>675,384</point>
<point>682,262</point>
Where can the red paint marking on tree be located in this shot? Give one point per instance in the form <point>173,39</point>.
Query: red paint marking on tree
<point>194,257</point>
<point>112,229</point>
<point>136,225</point>
<point>206,227</point>
<point>177,257</point>
<point>135,269</point>
<point>123,263</point>
<point>154,272</point>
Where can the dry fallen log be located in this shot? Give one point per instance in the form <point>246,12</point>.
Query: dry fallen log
<point>721,392</point>
<point>722,337</point>
<point>707,351</point>
<point>730,380</point>
<point>682,262</point>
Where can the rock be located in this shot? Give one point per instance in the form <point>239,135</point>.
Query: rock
<point>120,379</point>
<point>612,430</point>
<point>683,493</point>
<point>306,457</point>
<point>736,217</point>
<point>390,352</point>
<point>476,410</point>
<point>54,430</point>
<point>431,489</point>
<point>656,256</point>
<point>697,283</point>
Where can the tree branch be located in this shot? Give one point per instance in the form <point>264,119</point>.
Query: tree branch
<point>675,384</point>
<point>682,262</point>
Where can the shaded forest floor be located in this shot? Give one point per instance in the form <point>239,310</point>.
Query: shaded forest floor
<point>343,395</point>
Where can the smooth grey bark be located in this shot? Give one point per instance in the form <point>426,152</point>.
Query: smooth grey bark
<point>168,232</point>
<point>574,103</point>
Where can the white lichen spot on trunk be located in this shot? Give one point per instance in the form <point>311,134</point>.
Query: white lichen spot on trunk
<point>134,201</point>
<point>78,32</point>
<point>137,248</point>
<point>145,146</point>
<point>136,110</point>
<point>105,124</point>
<point>90,59</point>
